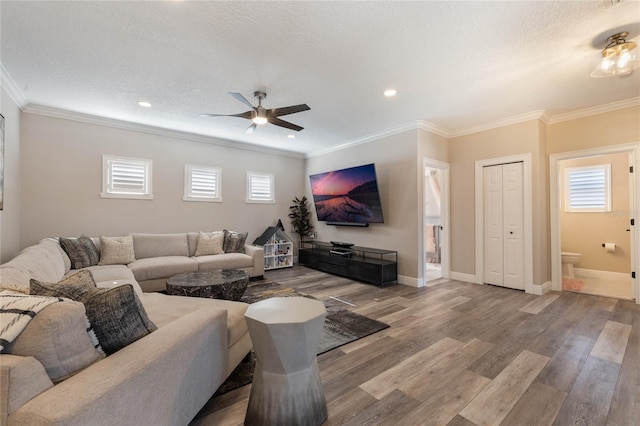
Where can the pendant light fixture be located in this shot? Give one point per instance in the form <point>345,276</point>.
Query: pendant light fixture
<point>617,57</point>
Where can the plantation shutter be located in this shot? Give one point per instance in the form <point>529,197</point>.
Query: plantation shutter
<point>126,178</point>
<point>588,189</point>
<point>260,187</point>
<point>203,182</point>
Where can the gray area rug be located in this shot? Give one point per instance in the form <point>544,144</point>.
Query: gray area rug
<point>341,326</point>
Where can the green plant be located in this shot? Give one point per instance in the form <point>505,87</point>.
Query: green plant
<point>300,216</point>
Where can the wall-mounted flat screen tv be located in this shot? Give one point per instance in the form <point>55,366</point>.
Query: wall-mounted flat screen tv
<point>347,196</point>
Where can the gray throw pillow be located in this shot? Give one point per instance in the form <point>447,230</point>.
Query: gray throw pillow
<point>81,251</point>
<point>234,241</point>
<point>74,287</point>
<point>117,316</point>
<point>116,250</point>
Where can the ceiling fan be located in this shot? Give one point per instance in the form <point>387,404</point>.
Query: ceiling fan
<point>259,115</point>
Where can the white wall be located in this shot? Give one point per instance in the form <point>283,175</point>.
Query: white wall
<point>62,180</point>
<point>10,215</point>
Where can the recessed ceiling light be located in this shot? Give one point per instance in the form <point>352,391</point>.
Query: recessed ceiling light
<point>144,104</point>
<point>390,92</point>
<point>291,136</point>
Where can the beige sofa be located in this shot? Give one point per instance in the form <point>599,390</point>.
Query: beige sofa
<point>162,379</point>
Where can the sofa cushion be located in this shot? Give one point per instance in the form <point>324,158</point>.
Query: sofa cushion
<point>163,309</point>
<point>162,267</point>
<point>234,241</point>
<point>109,276</point>
<point>14,279</point>
<point>21,379</point>
<point>157,245</point>
<point>225,261</point>
<point>209,243</point>
<point>57,337</point>
<point>116,250</point>
<point>44,261</point>
<point>81,251</point>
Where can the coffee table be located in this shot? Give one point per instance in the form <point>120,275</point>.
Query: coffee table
<point>229,284</point>
<point>286,388</point>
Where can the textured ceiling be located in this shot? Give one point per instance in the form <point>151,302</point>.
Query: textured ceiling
<point>455,64</point>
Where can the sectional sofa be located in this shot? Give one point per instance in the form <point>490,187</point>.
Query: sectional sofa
<point>165,377</point>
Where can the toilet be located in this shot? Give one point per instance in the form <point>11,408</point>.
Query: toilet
<point>569,260</point>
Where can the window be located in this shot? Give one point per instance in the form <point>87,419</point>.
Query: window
<point>260,188</point>
<point>202,183</point>
<point>126,178</point>
<point>588,189</point>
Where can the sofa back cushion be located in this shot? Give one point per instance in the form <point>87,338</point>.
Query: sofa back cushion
<point>44,261</point>
<point>157,245</point>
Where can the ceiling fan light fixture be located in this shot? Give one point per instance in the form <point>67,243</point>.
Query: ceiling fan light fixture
<point>617,57</point>
<point>260,117</point>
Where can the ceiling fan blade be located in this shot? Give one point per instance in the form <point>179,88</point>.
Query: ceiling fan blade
<point>247,115</point>
<point>242,99</point>
<point>250,129</point>
<point>286,124</point>
<point>277,112</point>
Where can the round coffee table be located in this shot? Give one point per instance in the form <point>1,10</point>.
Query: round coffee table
<point>228,284</point>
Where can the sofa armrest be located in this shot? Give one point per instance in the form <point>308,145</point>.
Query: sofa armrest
<point>21,379</point>
<point>165,378</point>
<point>257,253</point>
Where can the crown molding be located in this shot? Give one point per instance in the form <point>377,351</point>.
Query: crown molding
<point>154,130</point>
<point>434,128</point>
<point>534,115</point>
<point>11,88</point>
<point>600,109</point>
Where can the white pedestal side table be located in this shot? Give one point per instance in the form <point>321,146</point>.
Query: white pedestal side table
<point>286,388</point>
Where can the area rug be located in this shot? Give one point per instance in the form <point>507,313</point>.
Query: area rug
<point>341,326</point>
<point>572,284</point>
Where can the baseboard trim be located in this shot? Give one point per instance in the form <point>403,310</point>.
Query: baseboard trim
<point>605,275</point>
<point>459,276</point>
<point>410,281</point>
<point>541,289</point>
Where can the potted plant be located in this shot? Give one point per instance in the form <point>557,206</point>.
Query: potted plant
<point>300,216</point>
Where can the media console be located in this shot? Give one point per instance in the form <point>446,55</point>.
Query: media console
<point>371,265</point>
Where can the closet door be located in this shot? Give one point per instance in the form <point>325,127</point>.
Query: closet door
<point>493,228</point>
<point>504,225</point>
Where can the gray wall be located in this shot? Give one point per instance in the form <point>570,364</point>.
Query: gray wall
<point>10,215</point>
<point>62,180</point>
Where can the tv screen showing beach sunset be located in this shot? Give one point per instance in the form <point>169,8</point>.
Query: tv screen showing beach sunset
<point>347,195</point>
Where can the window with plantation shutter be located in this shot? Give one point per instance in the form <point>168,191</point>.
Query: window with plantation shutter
<point>126,178</point>
<point>588,189</point>
<point>260,188</point>
<point>202,183</point>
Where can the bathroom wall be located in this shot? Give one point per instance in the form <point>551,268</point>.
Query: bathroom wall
<point>585,232</point>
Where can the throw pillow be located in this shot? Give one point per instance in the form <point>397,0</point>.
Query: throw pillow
<point>234,241</point>
<point>74,287</point>
<point>117,316</point>
<point>81,251</point>
<point>210,243</point>
<point>116,250</point>
<point>57,337</point>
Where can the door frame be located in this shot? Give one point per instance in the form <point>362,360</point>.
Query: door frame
<point>528,217</point>
<point>633,149</point>
<point>444,214</point>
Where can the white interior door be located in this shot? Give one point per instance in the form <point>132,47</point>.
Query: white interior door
<point>504,225</point>
<point>493,244</point>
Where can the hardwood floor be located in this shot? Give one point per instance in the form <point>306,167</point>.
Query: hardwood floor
<point>466,354</point>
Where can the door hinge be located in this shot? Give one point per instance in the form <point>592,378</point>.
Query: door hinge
<point>633,275</point>
<point>630,169</point>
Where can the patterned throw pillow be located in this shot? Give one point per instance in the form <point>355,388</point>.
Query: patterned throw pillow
<point>116,250</point>
<point>117,316</point>
<point>81,251</point>
<point>74,287</point>
<point>234,241</point>
<point>210,243</point>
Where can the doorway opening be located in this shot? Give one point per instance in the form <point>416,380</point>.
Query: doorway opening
<point>595,206</point>
<point>435,222</point>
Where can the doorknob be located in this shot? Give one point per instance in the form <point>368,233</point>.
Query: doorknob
<point>511,232</point>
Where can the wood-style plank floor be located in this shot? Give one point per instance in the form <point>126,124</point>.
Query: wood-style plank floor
<point>466,354</point>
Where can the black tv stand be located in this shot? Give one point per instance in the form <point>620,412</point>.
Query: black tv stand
<point>370,265</point>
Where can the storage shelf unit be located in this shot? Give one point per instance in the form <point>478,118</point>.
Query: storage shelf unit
<point>371,265</point>
<point>278,248</point>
